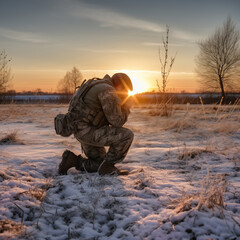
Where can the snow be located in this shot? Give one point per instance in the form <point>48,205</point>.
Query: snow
<point>183,182</point>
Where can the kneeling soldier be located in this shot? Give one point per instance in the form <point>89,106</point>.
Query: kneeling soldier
<point>96,115</point>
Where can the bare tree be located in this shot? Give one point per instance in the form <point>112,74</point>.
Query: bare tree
<point>219,58</point>
<point>70,81</point>
<point>64,85</point>
<point>165,65</point>
<point>164,109</point>
<point>5,71</point>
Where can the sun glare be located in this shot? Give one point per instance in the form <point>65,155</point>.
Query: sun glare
<point>130,93</point>
<point>139,84</point>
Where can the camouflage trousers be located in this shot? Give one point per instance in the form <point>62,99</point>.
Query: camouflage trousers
<point>94,142</point>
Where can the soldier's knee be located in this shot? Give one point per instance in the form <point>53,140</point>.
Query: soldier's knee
<point>132,135</point>
<point>129,134</point>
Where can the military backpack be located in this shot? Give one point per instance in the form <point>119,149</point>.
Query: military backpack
<point>63,122</point>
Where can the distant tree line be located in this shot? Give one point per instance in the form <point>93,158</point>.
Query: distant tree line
<point>184,98</point>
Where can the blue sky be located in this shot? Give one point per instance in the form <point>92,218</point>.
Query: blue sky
<point>46,38</point>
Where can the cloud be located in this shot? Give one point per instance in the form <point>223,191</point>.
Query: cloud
<point>102,50</point>
<point>154,72</point>
<point>154,44</point>
<point>135,71</point>
<point>110,18</point>
<point>185,35</point>
<point>21,36</point>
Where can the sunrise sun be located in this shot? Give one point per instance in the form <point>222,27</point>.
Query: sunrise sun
<point>139,83</point>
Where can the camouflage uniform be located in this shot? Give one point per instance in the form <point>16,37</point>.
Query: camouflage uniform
<point>102,126</point>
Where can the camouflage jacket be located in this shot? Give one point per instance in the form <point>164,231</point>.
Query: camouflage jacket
<point>102,106</point>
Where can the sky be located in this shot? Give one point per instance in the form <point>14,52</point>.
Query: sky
<point>47,38</point>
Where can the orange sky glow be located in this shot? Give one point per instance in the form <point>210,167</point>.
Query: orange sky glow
<point>45,39</point>
<point>143,81</point>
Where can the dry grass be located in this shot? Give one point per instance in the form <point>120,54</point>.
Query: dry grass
<point>12,112</point>
<point>8,229</point>
<point>3,176</point>
<point>186,153</point>
<point>10,138</point>
<point>163,110</point>
<point>37,193</point>
<point>180,124</point>
<point>210,195</point>
<point>29,113</point>
<point>226,126</point>
<point>203,118</point>
<point>185,203</point>
<point>212,190</point>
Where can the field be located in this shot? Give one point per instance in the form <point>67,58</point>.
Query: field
<point>184,180</point>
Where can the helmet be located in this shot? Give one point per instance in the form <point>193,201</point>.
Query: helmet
<point>122,79</point>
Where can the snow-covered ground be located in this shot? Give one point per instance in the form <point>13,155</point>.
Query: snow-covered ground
<point>184,181</point>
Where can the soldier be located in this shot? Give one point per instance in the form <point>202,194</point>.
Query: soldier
<point>96,119</point>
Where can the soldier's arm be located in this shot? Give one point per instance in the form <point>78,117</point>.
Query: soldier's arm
<point>111,105</point>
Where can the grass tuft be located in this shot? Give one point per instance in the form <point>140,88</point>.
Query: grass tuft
<point>210,195</point>
<point>212,190</point>
<point>10,226</point>
<point>10,138</point>
<point>163,110</point>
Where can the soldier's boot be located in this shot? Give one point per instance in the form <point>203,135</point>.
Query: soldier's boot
<point>69,160</point>
<point>109,168</point>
